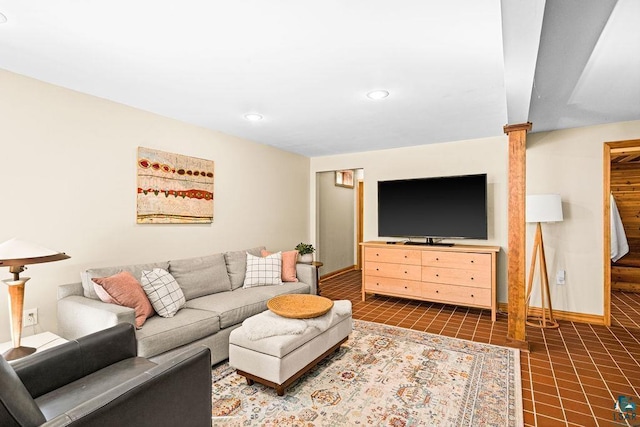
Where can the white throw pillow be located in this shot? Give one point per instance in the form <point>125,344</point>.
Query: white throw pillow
<point>163,291</point>
<point>263,271</point>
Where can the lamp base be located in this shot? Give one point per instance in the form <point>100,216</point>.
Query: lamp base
<point>18,353</point>
<point>541,322</point>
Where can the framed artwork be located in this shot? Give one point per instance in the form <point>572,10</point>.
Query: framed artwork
<point>173,189</point>
<point>344,178</point>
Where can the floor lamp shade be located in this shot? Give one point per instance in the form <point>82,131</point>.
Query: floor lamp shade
<point>541,208</point>
<point>544,208</point>
<point>15,254</point>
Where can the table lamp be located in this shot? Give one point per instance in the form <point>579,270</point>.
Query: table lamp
<point>542,208</point>
<point>15,254</point>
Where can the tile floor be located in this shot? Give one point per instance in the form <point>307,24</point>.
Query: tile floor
<point>573,375</point>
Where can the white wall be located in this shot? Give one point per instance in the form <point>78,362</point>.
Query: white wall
<point>336,224</point>
<point>488,155</point>
<point>68,180</point>
<point>567,162</point>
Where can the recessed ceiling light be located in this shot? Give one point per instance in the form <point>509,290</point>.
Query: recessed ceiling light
<point>378,94</point>
<point>253,117</point>
<point>3,18</point>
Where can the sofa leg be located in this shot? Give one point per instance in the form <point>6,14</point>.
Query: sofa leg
<point>280,390</point>
<point>250,381</point>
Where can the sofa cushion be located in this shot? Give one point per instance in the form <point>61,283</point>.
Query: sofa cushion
<point>237,265</point>
<point>135,269</point>
<point>125,290</point>
<point>263,271</point>
<point>163,291</point>
<point>233,307</point>
<point>201,276</point>
<point>162,334</point>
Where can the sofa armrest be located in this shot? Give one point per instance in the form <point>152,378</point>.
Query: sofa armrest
<point>176,392</point>
<point>58,366</point>
<point>307,273</point>
<point>79,316</point>
<point>70,289</point>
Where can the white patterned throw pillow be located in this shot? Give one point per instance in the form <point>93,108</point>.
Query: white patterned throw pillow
<point>163,291</point>
<point>262,271</point>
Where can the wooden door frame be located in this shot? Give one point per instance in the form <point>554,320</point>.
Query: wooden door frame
<point>359,223</point>
<point>608,148</point>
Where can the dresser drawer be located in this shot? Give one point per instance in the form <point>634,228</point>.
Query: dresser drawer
<point>453,276</point>
<point>375,284</point>
<point>399,256</point>
<point>463,260</point>
<point>464,295</point>
<point>396,271</point>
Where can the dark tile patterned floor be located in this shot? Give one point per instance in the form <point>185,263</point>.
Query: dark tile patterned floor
<point>573,375</point>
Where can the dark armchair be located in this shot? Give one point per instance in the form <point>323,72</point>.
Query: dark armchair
<point>98,380</point>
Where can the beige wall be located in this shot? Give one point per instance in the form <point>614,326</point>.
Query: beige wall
<point>567,162</point>
<point>68,182</point>
<point>570,162</point>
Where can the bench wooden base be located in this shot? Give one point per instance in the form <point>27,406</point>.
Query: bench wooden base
<point>281,387</point>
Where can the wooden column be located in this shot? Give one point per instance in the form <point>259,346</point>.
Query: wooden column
<point>516,268</point>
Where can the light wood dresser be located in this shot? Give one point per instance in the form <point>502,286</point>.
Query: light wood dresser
<point>461,274</point>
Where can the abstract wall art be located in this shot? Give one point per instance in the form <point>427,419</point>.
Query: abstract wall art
<point>173,188</point>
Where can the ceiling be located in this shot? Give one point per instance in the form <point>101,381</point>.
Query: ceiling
<point>455,69</point>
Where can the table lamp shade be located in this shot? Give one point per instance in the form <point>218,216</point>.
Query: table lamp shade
<point>16,252</point>
<point>544,208</point>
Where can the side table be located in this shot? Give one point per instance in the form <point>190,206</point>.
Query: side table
<point>317,265</point>
<point>40,341</point>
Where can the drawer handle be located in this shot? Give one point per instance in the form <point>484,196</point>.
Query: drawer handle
<point>377,269</point>
<point>437,292</point>
<point>471,277</point>
<point>437,259</point>
<point>437,275</point>
<point>472,261</point>
<point>405,272</point>
<point>405,256</point>
<point>405,287</point>
<point>377,254</point>
<point>471,295</point>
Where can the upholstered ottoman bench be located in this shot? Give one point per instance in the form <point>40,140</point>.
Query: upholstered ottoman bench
<point>276,351</point>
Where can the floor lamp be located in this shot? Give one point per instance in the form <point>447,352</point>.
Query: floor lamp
<point>541,208</point>
<point>15,254</point>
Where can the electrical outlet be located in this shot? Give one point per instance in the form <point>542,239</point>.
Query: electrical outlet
<point>30,317</point>
<point>560,277</point>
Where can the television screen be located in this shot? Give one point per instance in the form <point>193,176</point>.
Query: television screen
<point>442,207</point>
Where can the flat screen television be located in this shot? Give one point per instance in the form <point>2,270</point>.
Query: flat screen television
<point>440,207</point>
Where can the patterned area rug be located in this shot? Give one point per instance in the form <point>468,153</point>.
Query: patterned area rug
<point>384,376</point>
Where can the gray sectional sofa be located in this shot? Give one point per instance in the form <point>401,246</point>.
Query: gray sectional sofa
<point>216,304</point>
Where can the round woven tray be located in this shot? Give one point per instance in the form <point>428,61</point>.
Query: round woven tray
<point>299,306</point>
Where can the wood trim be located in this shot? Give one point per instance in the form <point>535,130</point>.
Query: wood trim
<point>608,148</point>
<point>606,245</point>
<point>360,223</point>
<point>516,330</point>
<point>338,272</point>
<point>570,316</point>
<point>628,143</point>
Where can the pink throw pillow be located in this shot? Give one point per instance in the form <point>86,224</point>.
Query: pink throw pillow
<point>125,290</point>
<point>289,260</point>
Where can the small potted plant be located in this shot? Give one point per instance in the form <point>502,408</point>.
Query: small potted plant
<point>305,252</point>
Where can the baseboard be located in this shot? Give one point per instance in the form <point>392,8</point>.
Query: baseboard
<point>338,272</point>
<point>594,319</point>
